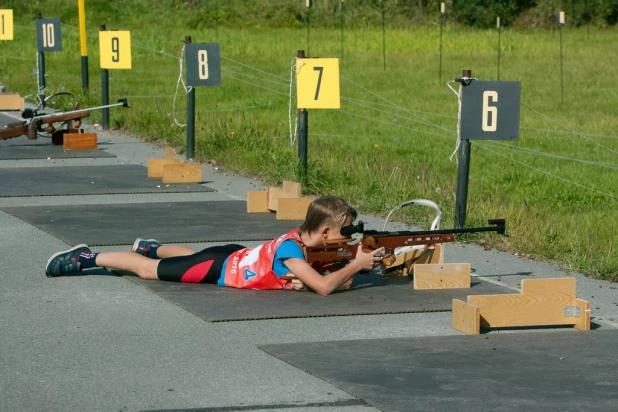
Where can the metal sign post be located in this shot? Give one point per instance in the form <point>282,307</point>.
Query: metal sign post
<point>442,11</point>
<point>83,48</point>
<point>115,53</point>
<point>499,34</point>
<point>342,11</point>
<point>48,39</point>
<point>489,111</point>
<point>317,87</point>
<point>308,18</point>
<point>203,62</point>
<point>560,21</point>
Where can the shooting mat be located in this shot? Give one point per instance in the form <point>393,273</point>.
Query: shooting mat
<point>168,222</point>
<point>22,148</point>
<point>86,180</point>
<point>371,295</point>
<point>564,370</point>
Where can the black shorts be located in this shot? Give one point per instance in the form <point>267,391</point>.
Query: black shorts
<point>200,267</point>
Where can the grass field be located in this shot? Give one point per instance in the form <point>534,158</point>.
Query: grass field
<point>557,189</point>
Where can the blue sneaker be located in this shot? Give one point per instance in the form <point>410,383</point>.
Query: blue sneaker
<point>146,247</point>
<point>66,263</point>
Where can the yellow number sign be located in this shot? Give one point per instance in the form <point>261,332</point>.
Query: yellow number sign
<point>317,83</point>
<point>115,49</point>
<point>6,24</point>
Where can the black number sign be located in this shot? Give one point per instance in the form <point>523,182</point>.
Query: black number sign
<point>490,110</point>
<point>48,35</point>
<point>203,62</point>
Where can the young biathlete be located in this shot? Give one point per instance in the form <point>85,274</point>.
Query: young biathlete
<point>267,266</point>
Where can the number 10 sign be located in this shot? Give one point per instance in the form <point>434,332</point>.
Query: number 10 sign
<point>203,62</point>
<point>490,110</point>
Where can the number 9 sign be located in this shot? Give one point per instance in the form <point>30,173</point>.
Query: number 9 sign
<point>490,110</point>
<point>317,84</point>
<point>115,49</point>
<point>203,61</point>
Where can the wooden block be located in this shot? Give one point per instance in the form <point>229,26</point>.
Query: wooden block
<point>257,202</point>
<point>408,260</point>
<point>583,321</point>
<point>274,193</point>
<point>442,276</point>
<point>182,173</point>
<point>155,166</point>
<point>293,208</point>
<point>541,303</point>
<point>170,153</point>
<point>466,317</point>
<point>80,141</point>
<point>291,189</point>
<point>11,102</point>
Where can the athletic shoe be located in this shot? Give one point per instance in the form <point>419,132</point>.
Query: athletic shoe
<point>143,247</point>
<point>65,263</point>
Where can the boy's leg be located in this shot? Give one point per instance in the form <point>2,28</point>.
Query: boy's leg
<point>142,266</point>
<point>152,249</point>
<point>74,260</point>
<point>167,251</point>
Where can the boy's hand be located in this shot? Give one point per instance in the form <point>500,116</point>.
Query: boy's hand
<point>367,261</point>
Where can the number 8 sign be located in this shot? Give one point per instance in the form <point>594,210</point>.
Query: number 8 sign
<point>115,49</point>
<point>490,110</point>
<point>203,61</point>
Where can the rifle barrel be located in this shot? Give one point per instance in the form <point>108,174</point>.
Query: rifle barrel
<point>86,110</point>
<point>498,228</point>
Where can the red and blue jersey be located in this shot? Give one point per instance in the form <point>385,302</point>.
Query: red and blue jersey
<point>261,268</point>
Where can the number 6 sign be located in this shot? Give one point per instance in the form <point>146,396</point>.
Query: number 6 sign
<point>490,110</point>
<point>115,49</point>
<point>317,84</point>
<point>203,61</point>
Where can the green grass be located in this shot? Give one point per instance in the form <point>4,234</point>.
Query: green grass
<point>379,159</point>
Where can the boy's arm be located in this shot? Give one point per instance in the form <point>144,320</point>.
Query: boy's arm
<point>326,284</point>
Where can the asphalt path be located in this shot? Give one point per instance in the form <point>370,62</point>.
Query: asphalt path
<point>101,342</point>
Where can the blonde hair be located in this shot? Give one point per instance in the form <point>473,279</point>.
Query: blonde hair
<point>327,210</point>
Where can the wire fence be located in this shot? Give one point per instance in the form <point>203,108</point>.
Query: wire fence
<point>278,85</point>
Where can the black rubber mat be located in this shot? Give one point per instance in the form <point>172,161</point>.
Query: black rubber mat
<point>181,222</point>
<point>532,371</point>
<point>22,148</point>
<point>86,180</point>
<point>371,295</point>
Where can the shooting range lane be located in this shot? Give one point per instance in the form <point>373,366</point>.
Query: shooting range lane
<point>21,148</point>
<point>87,180</point>
<point>371,295</point>
<point>542,371</point>
<point>168,222</point>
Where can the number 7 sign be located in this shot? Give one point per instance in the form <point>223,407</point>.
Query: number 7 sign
<point>317,84</point>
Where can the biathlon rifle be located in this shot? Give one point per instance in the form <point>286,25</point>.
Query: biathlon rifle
<point>41,122</point>
<point>341,252</point>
